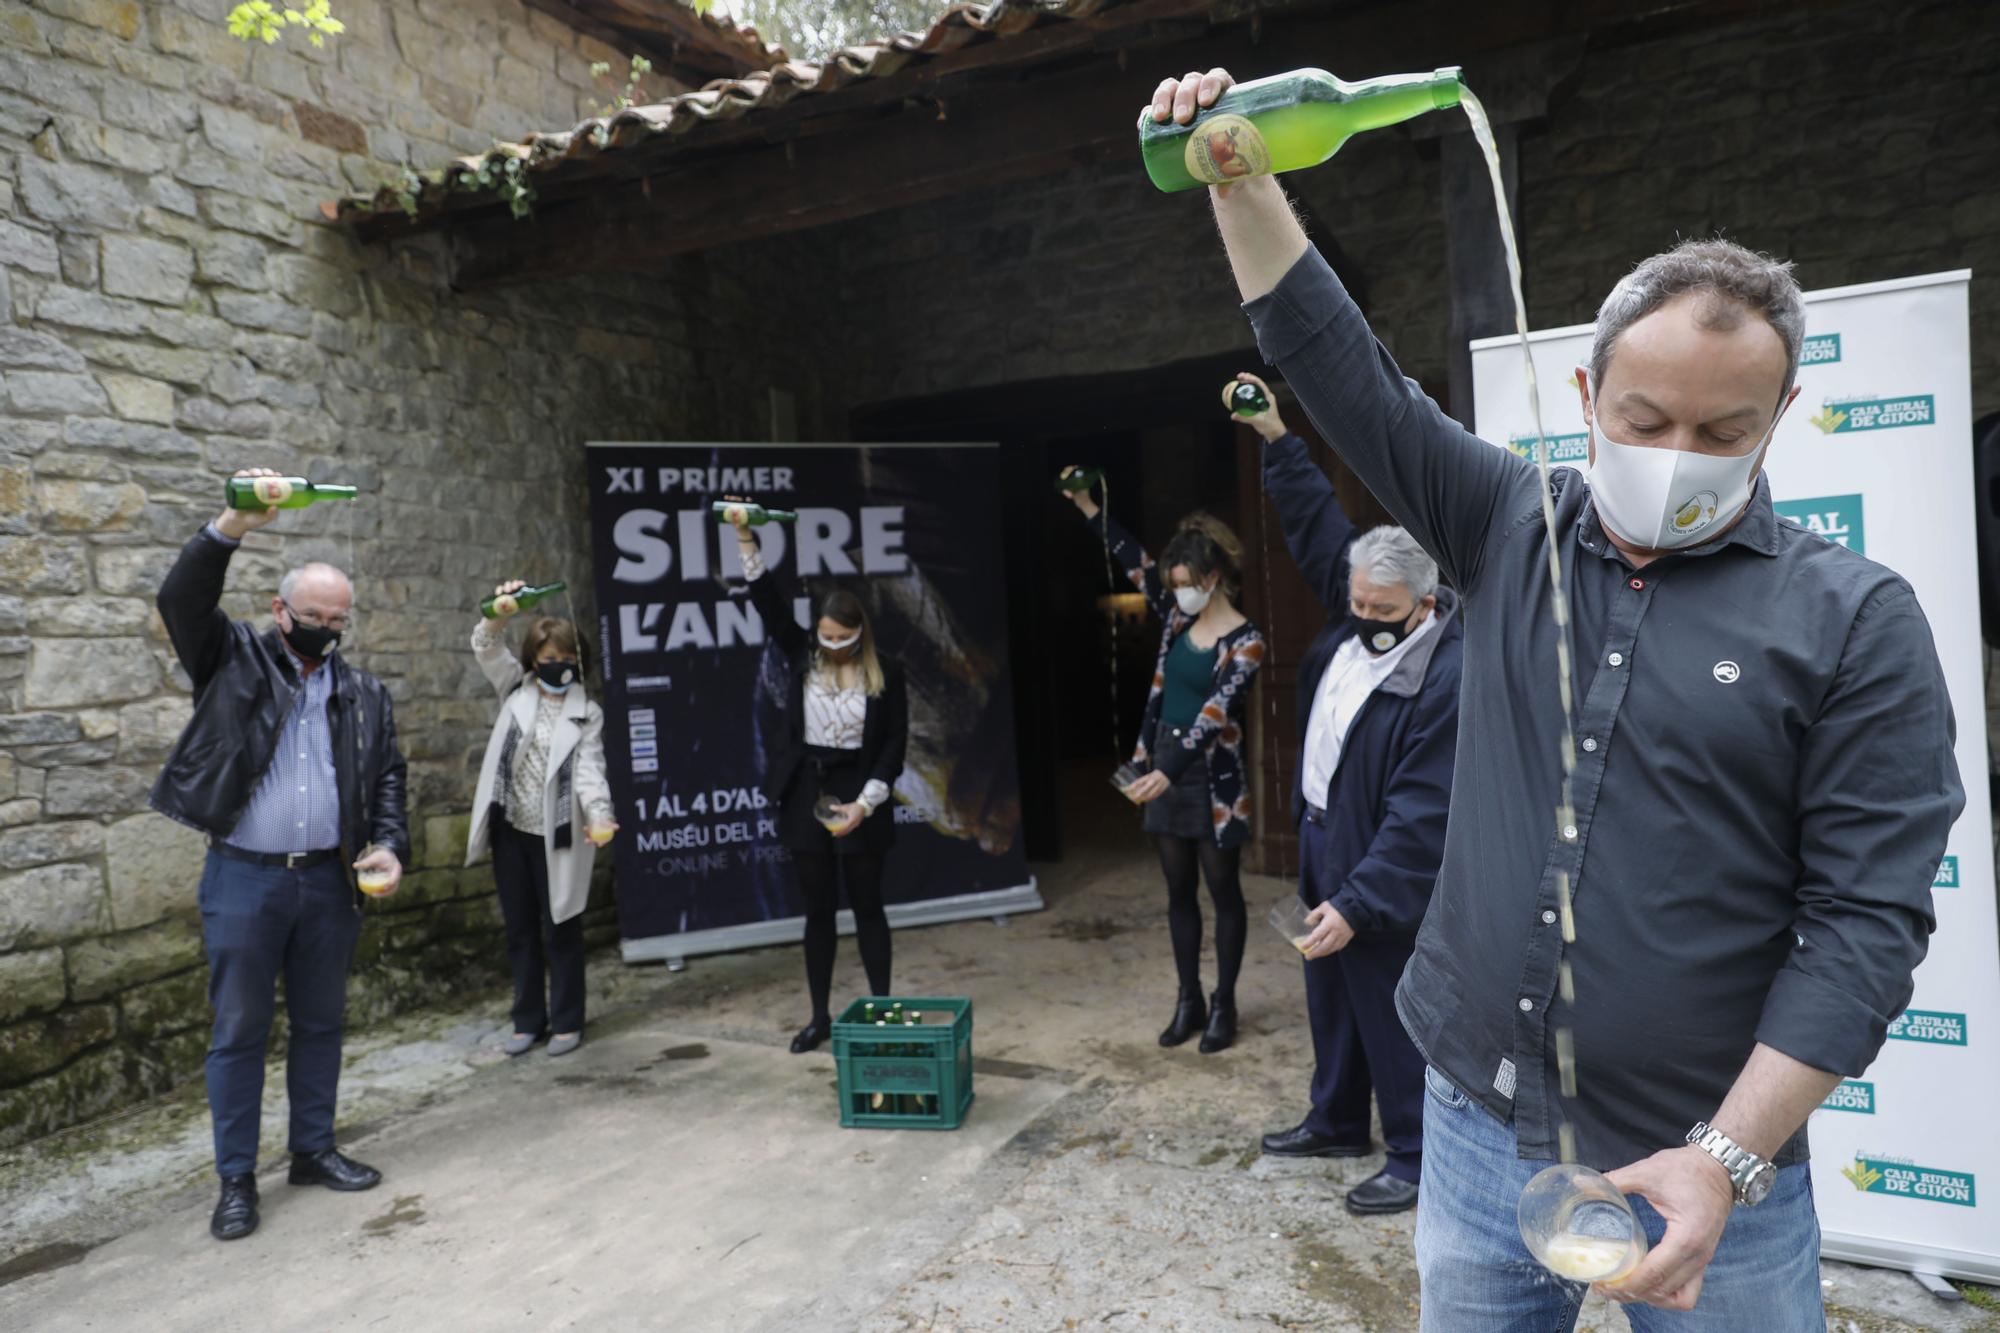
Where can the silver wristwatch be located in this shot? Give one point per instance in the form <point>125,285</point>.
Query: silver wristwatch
<point>1750,1174</point>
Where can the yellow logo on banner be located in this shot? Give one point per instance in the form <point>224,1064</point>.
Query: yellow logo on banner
<point>1828,419</point>
<point>1861,1175</point>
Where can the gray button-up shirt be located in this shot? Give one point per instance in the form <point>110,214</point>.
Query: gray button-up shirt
<point>1764,778</point>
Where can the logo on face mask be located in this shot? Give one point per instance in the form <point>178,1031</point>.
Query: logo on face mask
<point>1696,514</point>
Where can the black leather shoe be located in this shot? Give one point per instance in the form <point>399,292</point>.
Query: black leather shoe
<point>1221,1024</point>
<point>811,1035</point>
<point>1381,1193</point>
<point>330,1168</point>
<point>1189,1016</point>
<point>236,1214</point>
<point>1304,1142</point>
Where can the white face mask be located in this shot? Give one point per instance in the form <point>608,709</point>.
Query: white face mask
<point>1193,601</point>
<point>838,645</point>
<point>1665,499</point>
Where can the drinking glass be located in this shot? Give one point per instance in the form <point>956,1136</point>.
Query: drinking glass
<point>1123,779</point>
<point>1288,918</point>
<point>827,811</point>
<point>1578,1226</point>
<point>374,883</point>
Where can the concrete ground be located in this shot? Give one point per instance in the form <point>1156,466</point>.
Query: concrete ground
<point>683,1171</point>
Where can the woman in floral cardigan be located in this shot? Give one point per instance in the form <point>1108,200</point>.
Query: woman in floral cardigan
<point>1196,786</point>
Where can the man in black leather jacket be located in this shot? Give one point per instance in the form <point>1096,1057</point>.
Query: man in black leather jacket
<point>290,766</point>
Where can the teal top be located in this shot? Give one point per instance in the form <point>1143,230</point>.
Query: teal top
<point>1190,680</point>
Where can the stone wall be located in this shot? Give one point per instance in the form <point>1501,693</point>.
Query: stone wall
<point>170,310</point>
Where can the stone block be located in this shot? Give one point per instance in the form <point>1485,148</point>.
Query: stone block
<point>154,867</point>
<point>42,1044</point>
<point>235,134</point>
<point>72,673</point>
<point>253,310</point>
<point>22,29</point>
<point>79,260</point>
<point>315,283</point>
<point>26,810</point>
<point>39,564</point>
<point>45,844</point>
<point>89,506</point>
<point>149,111</point>
<point>111,963</point>
<point>77,752</point>
<point>232,259</point>
<point>50,905</point>
<point>442,843</point>
<point>148,729</point>
<point>329,129</point>
<point>236,212</point>
<point>170,196</point>
<point>137,398</point>
<point>175,365</point>
<point>120,18</point>
<point>16,497</point>
<point>87,1087</point>
<point>112,146</point>
<point>147,269</point>
<point>7,777</point>
<point>24,248</point>
<point>133,571</point>
<point>77,197</point>
<point>25,349</point>
<point>39,729</point>
<point>53,393</point>
<point>200,37</point>
<point>178,1003</point>
<point>130,436</point>
<point>88,310</point>
<point>30,983</point>
<point>96,790</point>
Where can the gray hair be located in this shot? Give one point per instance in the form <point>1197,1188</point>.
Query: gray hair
<point>1389,556</point>
<point>290,583</point>
<point>1733,280</point>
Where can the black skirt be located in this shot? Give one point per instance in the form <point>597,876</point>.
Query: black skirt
<point>835,773</point>
<point>1184,809</point>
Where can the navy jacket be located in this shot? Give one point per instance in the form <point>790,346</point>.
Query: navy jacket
<point>1385,808</point>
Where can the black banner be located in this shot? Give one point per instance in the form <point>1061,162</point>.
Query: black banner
<point>693,688</point>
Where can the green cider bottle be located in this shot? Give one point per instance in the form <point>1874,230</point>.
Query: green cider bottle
<point>1283,123</point>
<point>253,493</point>
<point>755,515</point>
<point>1077,478</point>
<point>507,603</point>
<point>1247,400</point>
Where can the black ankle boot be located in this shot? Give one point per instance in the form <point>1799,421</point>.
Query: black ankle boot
<point>1189,1015</point>
<point>1221,1024</point>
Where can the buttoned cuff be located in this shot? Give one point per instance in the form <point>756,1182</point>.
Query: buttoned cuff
<point>1288,316</point>
<point>1819,1024</point>
<point>753,561</point>
<point>873,794</point>
<point>486,634</point>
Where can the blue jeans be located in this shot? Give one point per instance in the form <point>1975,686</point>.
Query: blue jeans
<point>258,923</point>
<point>1478,1276</point>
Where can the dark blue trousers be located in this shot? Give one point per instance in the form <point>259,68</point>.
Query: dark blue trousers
<point>260,923</point>
<point>1359,1045</point>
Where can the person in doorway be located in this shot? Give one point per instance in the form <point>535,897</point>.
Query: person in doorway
<point>542,776</point>
<point>1195,785</point>
<point>1378,718</point>
<point>832,773</point>
<point>1737,889</point>
<point>290,766</point>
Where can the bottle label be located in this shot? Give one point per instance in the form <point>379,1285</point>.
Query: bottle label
<point>272,491</point>
<point>1226,148</point>
<point>506,604</point>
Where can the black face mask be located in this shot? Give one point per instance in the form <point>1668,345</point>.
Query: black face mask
<point>312,642</point>
<point>557,676</point>
<point>1379,636</point>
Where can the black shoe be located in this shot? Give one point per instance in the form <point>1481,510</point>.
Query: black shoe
<point>811,1035</point>
<point>1189,1016</point>
<point>330,1168</point>
<point>1304,1142</point>
<point>1381,1193</point>
<point>236,1214</point>
<point>1221,1024</point>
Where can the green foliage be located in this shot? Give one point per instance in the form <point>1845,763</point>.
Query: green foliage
<point>631,94</point>
<point>258,19</point>
<point>815,29</point>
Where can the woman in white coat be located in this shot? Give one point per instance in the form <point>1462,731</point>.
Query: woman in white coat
<point>543,777</point>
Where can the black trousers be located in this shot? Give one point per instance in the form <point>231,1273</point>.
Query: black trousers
<point>822,876</point>
<point>538,948</point>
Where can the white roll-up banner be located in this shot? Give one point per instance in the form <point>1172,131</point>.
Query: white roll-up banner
<point>1876,454</point>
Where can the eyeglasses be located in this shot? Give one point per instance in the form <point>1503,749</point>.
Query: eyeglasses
<point>339,624</point>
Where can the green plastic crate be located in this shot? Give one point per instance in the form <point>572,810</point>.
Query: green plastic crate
<point>923,1074</point>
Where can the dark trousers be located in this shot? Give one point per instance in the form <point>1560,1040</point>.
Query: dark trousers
<point>1359,1044</point>
<point>822,876</point>
<point>539,950</point>
<point>259,923</point>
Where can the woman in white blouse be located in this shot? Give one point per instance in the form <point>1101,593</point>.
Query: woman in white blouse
<point>543,776</point>
<point>847,727</point>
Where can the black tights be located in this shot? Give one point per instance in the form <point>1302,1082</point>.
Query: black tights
<point>1187,861</point>
<point>821,881</point>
